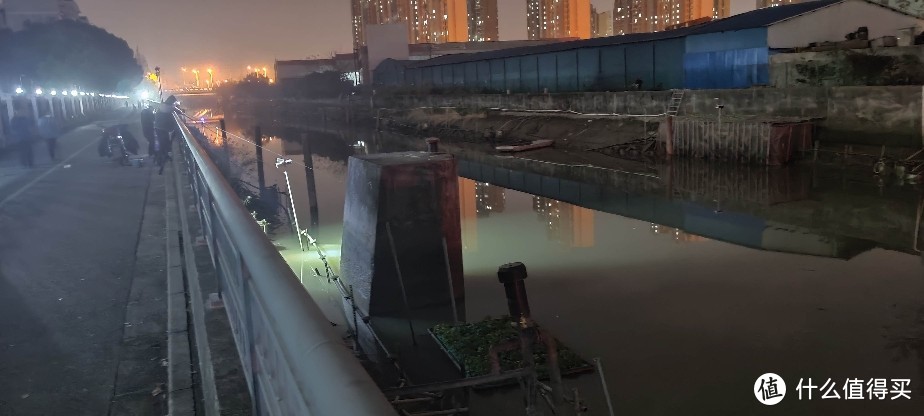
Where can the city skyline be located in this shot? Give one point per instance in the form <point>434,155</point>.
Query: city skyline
<point>642,16</point>
<point>250,33</point>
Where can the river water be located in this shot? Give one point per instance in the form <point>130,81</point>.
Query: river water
<point>685,298</point>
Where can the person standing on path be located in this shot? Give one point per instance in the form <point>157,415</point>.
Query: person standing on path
<point>22,130</point>
<point>147,128</point>
<point>48,130</point>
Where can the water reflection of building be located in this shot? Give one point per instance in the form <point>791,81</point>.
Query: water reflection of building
<point>679,235</point>
<point>478,200</point>
<point>468,208</point>
<point>489,199</point>
<point>567,224</point>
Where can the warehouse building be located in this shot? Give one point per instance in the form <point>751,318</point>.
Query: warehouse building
<point>727,53</point>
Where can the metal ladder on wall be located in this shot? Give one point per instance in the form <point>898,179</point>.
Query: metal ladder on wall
<point>676,99</point>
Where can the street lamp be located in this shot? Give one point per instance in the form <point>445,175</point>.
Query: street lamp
<point>211,78</point>
<point>38,91</point>
<point>264,72</point>
<point>19,90</point>
<point>196,73</point>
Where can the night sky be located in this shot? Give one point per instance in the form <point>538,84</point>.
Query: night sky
<point>231,34</point>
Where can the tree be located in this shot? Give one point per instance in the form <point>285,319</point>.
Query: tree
<point>69,53</point>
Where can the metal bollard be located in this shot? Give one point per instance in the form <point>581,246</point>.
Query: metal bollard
<point>513,276</point>
<point>433,145</point>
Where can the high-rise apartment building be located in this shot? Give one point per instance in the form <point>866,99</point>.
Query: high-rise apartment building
<point>379,12</point>
<point>603,24</point>
<point>428,21</point>
<point>482,20</point>
<point>439,21</point>
<point>722,8</point>
<point>549,19</point>
<point>642,16</point>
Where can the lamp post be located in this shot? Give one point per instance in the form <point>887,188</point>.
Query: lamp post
<point>196,73</point>
<point>211,78</point>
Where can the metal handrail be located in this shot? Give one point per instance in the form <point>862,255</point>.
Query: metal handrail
<point>296,361</point>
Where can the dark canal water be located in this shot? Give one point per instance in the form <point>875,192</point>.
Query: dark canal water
<point>686,295</point>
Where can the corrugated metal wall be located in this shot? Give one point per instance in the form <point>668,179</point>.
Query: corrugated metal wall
<point>658,64</point>
<point>736,59</point>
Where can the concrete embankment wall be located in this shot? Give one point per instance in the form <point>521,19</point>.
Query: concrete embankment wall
<point>860,115</point>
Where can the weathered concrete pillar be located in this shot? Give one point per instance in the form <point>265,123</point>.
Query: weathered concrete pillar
<point>310,183</point>
<point>416,195</point>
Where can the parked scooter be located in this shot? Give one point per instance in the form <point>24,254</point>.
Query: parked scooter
<point>117,144</point>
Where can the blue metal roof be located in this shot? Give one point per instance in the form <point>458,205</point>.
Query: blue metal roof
<point>750,20</point>
<point>762,17</point>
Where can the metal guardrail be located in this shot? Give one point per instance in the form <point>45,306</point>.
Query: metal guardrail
<point>294,362</point>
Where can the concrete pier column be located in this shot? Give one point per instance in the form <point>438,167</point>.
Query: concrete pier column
<point>310,184</point>
<point>416,195</point>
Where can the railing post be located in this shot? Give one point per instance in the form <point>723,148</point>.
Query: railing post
<point>258,142</point>
<point>224,144</point>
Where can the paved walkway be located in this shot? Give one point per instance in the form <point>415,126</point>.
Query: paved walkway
<point>94,290</point>
<point>68,238</point>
